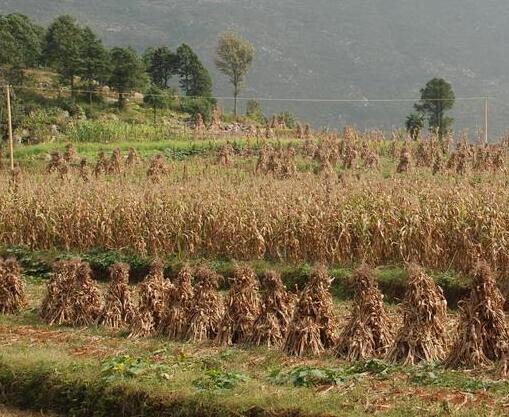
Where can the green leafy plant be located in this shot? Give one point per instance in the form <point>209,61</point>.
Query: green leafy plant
<point>127,367</point>
<point>216,379</point>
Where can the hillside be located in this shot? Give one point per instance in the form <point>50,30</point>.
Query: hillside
<point>324,48</point>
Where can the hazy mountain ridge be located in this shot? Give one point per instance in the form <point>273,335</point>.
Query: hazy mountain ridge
<point>324,48</point>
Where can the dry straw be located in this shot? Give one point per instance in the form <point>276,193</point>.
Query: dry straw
<point>368,333</point>
<point>242,307</point>
<point>422,337</point>
<point>313,326</point>
<point>151,300</point>
<point>206,308</point>
<point>118,308</point>
<point>57,305</point>
<point>483,334</point>
<point>85,297</point>
<point>174,322</point>
<point>271,326</point>
<point>12,287</point>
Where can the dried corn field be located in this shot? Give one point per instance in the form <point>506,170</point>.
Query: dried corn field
<point>435,221</point>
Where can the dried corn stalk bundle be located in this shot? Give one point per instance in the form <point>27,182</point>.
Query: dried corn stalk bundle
<point>174,322</point>
<point>422,336</point>
<point>132,158</point>
<point>271,326</point>
<point>12,287</point>
<point>242,308</point>
<point>85,297</point>
<point>404,161</point>
<point>482,330</point>
<point>151,297</point>
<point>101,166</point>
<point>71,156</point>
<point>118,307</point>
<point>313,326</point>
<point>116,163</point>
<point>158,168</point>
<point>206,308</point>
<point>368,333</point>
<point>57,305</point>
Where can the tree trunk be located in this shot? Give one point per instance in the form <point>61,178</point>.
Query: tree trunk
<point>72,85</point>
<point>121,101</point>
<point>235,95</point>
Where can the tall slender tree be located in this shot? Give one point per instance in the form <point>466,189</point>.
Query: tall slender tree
<point>234,58</point>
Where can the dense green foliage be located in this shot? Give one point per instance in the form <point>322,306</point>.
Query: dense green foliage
<point>128,73</point>
<point>437,97</point>
<point>195,80</point>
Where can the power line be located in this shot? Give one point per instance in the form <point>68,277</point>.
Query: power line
<point>280,99</point>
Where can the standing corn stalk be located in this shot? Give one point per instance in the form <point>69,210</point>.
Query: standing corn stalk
<point>242,308</point>
<point>12,287</point>
<point>271,326</point>
<point>422,336</point>
<point>368,333</point>
<point>483,335</point>
<point>118,307</point>
<point>206,308</point>
<point>174,321</point>
<point>313,326</point>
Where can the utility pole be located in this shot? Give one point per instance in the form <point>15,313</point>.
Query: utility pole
<point>9,124</point>
<point>486,120</point>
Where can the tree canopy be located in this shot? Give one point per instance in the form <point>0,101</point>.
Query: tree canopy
<point>195,80</point>
<point>127,72</point>
<point>63,48</point>
<point>161,65</point>
<point>437,97</point>
<point>234,58</point>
